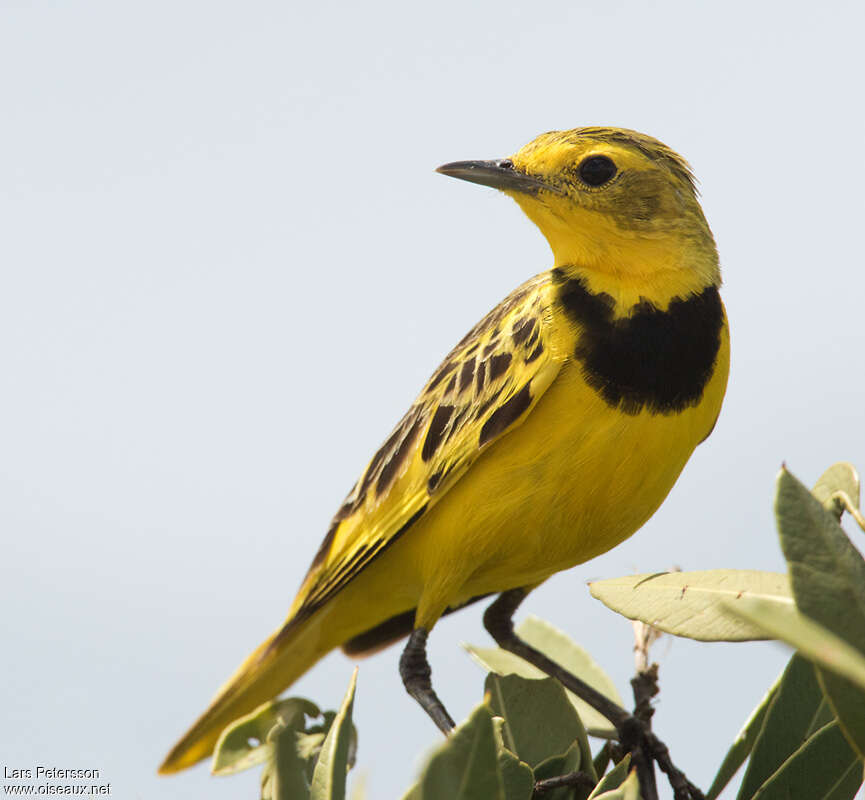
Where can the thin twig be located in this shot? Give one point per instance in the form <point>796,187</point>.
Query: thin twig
<point>574,779</point>
<point>633,732</point>
<point>645,687</point>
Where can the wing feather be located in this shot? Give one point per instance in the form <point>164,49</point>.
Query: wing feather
<point>485,387</point>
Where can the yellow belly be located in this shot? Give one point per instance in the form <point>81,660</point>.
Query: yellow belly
<point>573,481</point>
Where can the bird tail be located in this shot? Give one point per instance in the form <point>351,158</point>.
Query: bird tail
<point>274,665</point>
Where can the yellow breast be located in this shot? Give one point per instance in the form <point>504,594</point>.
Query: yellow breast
<point>574,480</point>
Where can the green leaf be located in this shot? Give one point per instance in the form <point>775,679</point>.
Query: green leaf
<point>786,726</point>
<point>518,781</point>
<point>331,769</point>
<point>568,654</point>
<point>827,572</point>
<point>613,779</point>
<point>564,651</point>
<point>539,720</point>
<point>560,764</point>
<point>743,743</point>
<point>308,745</point>
<point>629,790</point>
<point>828,577</point>
<point>847,701</point>
<point>555,766</point>
<point>517,777</point>
<point>824,768</point>
<point>824,715</point>
<point>286,777</point>
<point>465,767</point>
<point>838,488</point>
<point>811,639</point>
<point>689,604</point>
<point>601,760</point>
<point>245,742</point>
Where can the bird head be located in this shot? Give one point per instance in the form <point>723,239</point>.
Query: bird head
<point>607,199</point>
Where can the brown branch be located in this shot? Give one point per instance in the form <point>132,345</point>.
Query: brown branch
<point>574,779</point>
<point>645,687</point>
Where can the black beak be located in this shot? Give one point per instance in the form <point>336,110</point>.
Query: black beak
<point>499,174</point>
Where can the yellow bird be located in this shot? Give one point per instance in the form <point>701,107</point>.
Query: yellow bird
<point>548,435</point>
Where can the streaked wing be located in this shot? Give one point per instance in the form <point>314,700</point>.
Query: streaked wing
<point>485,387</point>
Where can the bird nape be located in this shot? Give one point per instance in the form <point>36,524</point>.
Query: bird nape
<point>548,435</point>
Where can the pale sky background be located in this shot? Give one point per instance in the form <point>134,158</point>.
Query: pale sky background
<point>228,267</point>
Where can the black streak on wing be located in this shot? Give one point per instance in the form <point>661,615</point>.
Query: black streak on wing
<point>324,549</point>
<point>398,458</point>
<point>386,462</point>
<point>506,414</point>
<point>438,476</point>
<point>461,416</point>
<point>405,526</point>
<point>348,567</point>
<point>481,376</point>
<point>535,354</point>
<point>349,570</point>
<point>436,429</point>
<point>434,480</point>
<point>382,467</point>
<point>482,409</point>
<point>522,329</point>
<point>659,360</point>
<point>373,469</point>
<point>440,374</point>
<point>466,374</point>
<point>499,365</point>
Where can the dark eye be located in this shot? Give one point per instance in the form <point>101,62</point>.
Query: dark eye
<point>596,170</point>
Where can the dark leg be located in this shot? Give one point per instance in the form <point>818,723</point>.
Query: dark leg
<point>498,620</point>
<point>414,669</point>
<point>634,735</point>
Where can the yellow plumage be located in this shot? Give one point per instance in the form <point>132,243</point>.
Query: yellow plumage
<point>549,434</point>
